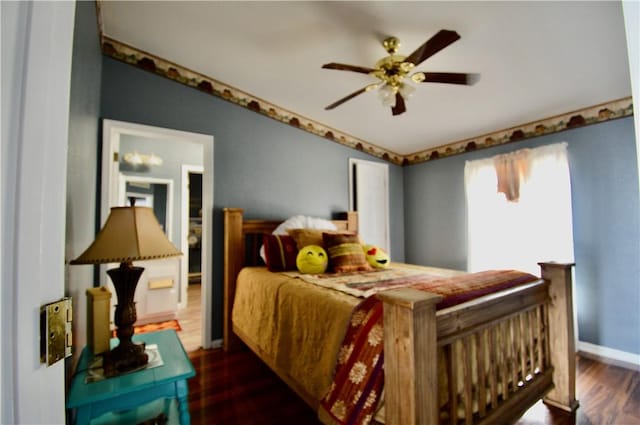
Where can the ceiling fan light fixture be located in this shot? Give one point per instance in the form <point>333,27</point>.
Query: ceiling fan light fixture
<point>372,86</point>
<point>418,77</point>
<point>389,102</point>
<point>387,95</point>
<point>406,90</point>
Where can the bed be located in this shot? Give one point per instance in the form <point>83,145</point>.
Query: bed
<point>517,342</point>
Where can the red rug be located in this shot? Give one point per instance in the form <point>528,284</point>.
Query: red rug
<point>152,327</point>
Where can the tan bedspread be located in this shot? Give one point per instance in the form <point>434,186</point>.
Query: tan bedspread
<point>296,326</point>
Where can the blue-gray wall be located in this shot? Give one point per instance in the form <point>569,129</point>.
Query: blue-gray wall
<point>82,160</point>
<point>606,214</point>
<point>269,169</point>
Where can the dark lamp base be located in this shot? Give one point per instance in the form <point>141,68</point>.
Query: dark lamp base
<point>124,358</point>
<point>127,356</point>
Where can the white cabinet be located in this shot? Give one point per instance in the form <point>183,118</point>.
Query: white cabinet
<point>157,292</point>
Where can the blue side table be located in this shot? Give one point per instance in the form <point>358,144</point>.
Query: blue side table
<point>131,391</point>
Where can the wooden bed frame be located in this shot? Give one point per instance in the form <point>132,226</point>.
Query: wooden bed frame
<point>414,332</point>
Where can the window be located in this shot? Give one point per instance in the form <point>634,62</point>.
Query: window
<point>522,217</point>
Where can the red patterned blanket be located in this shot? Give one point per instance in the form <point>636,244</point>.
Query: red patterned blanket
<point>358,380</point>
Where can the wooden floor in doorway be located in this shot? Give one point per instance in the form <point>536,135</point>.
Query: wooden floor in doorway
<point>238,389</point>
<point>190,319</point>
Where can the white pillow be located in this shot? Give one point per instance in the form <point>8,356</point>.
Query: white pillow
<point>300,222</point>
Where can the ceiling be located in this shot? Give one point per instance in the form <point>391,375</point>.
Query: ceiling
<point>536,59</point>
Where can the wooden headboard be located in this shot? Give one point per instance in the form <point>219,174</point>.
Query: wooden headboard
<point>242,241</point>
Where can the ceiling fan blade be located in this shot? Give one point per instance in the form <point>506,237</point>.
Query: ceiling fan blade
<point>344,67</point>
<point>399,107</point>
<point>450,78</point>
<point>349,97</point>
<point>432,46</point>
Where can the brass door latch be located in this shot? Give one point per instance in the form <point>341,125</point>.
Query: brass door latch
<point>55,331</point>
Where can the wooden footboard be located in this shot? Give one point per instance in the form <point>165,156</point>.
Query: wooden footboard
<point>481,362</point>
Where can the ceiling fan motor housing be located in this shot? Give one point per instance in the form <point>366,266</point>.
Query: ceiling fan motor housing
<point>392,69</point>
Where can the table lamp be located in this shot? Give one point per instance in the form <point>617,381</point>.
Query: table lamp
<point>129,234</point>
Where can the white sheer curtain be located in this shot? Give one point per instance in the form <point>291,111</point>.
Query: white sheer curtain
<point>535,225</point>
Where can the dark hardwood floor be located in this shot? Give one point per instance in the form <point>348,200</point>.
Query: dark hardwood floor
<point>238,389</point>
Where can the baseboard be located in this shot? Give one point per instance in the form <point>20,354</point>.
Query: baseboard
<point>609,355</point>
<point>216,343</point>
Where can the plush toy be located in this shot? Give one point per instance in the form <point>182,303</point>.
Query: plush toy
<point>312,259</point>
<point>376,257</point>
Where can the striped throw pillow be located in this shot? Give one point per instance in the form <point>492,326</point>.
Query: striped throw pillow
<point>345,252</point>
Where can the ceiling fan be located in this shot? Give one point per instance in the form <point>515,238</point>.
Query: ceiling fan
<point>393,69</point>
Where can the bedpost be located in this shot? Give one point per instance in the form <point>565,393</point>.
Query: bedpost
<point>411,356</point>
<point>352,220</point>
<point>561,336</point>
<point>233,261</point>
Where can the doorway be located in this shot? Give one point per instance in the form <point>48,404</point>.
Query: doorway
<point>190,305</point>
<point>369,196</point>
<point>171,149</point>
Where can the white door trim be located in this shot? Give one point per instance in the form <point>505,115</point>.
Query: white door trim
<point>184,237</point>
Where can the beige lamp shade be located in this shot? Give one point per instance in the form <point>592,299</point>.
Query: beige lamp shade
<point>130,234</point>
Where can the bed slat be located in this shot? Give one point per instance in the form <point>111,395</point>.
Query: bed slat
<point>493,370</point>
<point>468,380</point>
<point>453,383</point>
<point>481,346</point>
<point>532,358</point>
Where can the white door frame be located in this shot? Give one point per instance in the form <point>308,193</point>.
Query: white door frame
<point>184,237</point>
<point>111,132</point>
<point>36,74</point>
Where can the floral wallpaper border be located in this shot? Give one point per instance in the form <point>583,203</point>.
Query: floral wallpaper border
<point>595,114</point>
<point>592,115</point>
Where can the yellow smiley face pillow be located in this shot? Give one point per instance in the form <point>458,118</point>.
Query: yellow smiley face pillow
<point>376,256</point>
<point>312,259</point>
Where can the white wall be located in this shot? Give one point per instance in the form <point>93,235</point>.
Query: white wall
<point>36,62</point>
